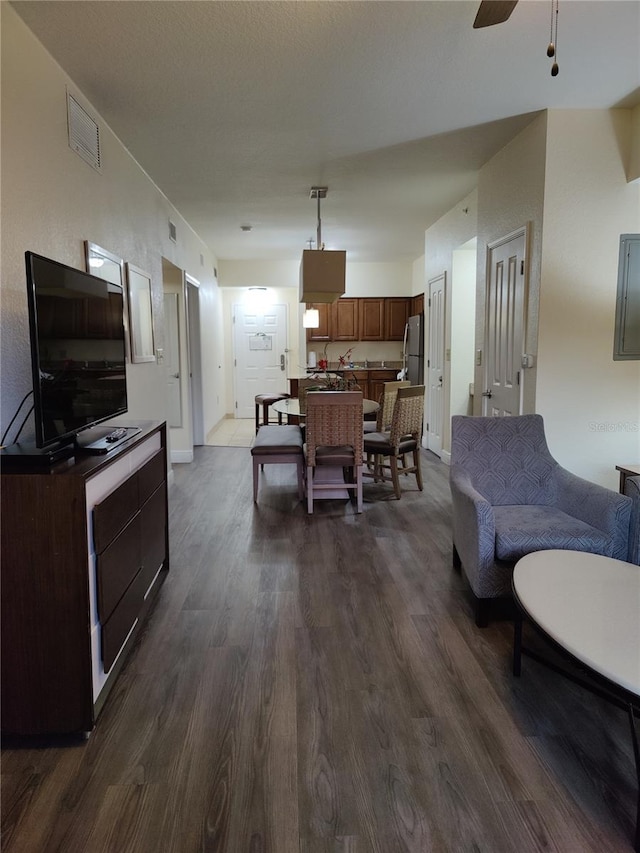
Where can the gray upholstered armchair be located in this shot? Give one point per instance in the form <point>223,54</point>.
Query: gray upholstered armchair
<point>511,497</point>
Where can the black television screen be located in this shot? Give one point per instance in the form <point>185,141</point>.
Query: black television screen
<point>78,349</point>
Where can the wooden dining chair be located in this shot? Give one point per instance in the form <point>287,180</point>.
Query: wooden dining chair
<point>387,401</point>
<point>384,414</point>
<point>403,438</point>
<point>389,395</point>
<point>334,439</point>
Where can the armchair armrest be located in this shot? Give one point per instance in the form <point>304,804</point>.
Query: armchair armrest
<point>474,529</point>
<point>598,506</point>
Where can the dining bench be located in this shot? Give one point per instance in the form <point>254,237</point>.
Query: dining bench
<point>278,445</point>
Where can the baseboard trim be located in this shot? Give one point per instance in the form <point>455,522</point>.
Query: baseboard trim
<point>181,456</point>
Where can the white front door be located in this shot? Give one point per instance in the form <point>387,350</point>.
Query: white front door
<point>260,358</point>
<point>435,365</point>
<point>504,326</point>
<point>172,360</point>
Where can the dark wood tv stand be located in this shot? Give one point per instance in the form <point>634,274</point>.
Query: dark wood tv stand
<point>85,549</point>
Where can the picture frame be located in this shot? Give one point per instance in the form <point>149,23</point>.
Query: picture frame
<point>140,314</point>
<point>110,267</point>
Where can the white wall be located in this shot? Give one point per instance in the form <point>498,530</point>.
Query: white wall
<point>591,403</point>
<point>565,175</point>
<point>511,195</point>
<point>418,282</point>
<point>463,313</point>
<point>52,201</point>
<point>442,240</point>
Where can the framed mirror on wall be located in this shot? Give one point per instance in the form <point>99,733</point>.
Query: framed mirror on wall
<point>140,314</point>
<point>110,267</point>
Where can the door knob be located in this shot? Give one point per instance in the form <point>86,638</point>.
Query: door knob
<point>487,393</point>
<point>176,376</point>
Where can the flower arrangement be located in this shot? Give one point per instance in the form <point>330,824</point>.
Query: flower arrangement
<point>337,383</point>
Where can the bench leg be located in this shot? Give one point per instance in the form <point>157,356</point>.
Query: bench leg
<point>255,479</point>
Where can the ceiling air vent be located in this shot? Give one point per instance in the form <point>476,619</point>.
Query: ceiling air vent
<point>172,231</point>
<point>84,133</point>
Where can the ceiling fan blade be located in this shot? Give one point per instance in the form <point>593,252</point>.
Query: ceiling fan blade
<point>493,12</point>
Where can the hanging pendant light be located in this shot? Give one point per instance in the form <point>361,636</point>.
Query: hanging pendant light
<point>311,319</point>
<point>322,271</point>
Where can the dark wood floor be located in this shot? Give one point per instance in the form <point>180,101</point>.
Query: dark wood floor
<point>316,683</point>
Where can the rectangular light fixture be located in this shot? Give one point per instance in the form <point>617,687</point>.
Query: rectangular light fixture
<point>322,275</point>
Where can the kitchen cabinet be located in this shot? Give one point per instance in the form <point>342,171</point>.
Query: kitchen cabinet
<point>361,319</point>
<point>377,378</point>
<point>396,316</point>
<point>85,549</point>
<point>325,330</point>
<point>372,319</point>
<point>417,305</point>
<point>344,320</point>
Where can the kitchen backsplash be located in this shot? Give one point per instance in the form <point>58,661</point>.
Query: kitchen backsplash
<point>372,352</point>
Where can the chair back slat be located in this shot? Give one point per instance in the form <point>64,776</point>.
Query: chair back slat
<point>334,419</point>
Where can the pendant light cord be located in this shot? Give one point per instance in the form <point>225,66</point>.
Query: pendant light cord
<point>552,50</point>
<point>319,231</point>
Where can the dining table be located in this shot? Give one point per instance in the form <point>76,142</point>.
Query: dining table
<point>291,407</point>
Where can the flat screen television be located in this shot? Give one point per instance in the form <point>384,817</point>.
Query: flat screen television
<point>78,351</point>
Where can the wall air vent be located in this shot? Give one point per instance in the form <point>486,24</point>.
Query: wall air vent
<point>84,133</point>
<point>172,231</point>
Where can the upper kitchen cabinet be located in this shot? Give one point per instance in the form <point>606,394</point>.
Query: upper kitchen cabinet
<point>325,329</point>
<point>417,305</point>
<point>345,319</point>
<point>354,319</point>
<point>372,319</point>
<point>396,316</point>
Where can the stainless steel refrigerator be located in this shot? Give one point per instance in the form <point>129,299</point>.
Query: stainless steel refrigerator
<point>414,350</point>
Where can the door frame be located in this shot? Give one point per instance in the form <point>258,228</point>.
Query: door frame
<point>194,355</point>
<point>429,445</point>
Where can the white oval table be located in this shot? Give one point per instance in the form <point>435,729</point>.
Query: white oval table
<point>588,606</point>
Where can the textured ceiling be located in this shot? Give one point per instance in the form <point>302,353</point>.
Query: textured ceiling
<point>236,109</point>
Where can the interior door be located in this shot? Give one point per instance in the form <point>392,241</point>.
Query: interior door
<point>260,358</point>
<point>172,360</point>
<point>435,365</point>
<point>504,326</point>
